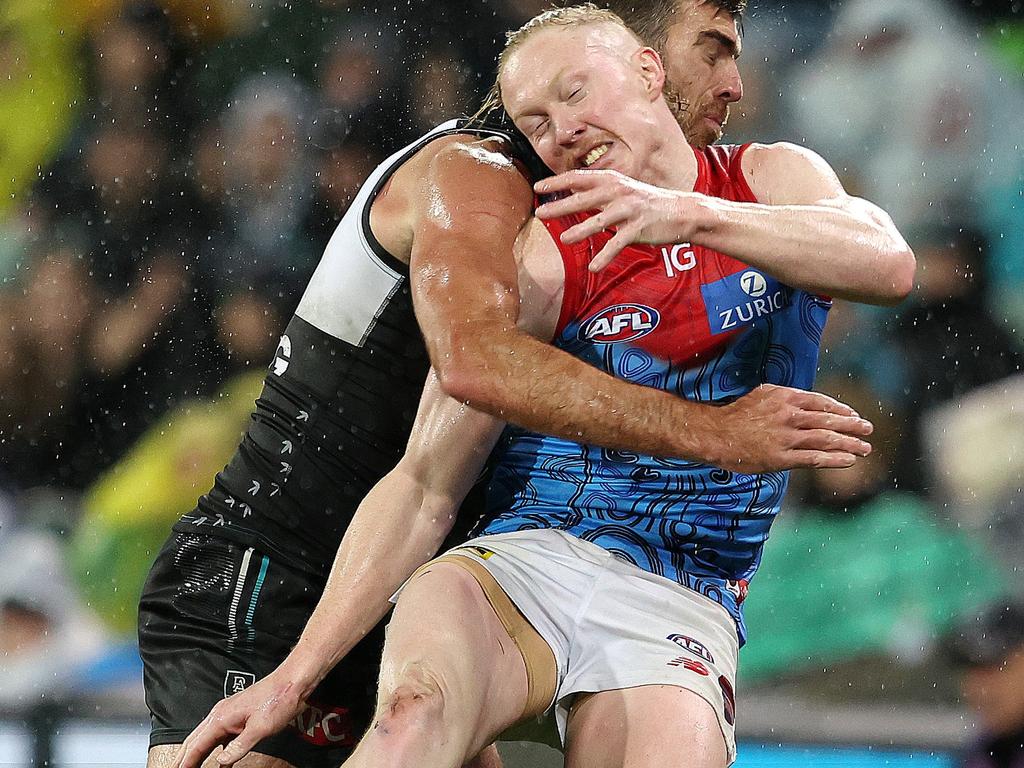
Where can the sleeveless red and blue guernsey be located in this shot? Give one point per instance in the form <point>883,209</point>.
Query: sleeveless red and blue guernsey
<point>698,324</point>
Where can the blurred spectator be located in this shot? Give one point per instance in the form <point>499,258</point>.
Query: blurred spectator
<point>135,62</point>
<point>45,630</point>
<point>268,189</point>
<point>438,88</point>
<point>975,448</point>
<point>990,649</point>
<point>44,366</point>
<point>248,328</point>
<point>908,100</point>
<point>360,74</point>
<point>343,165</point>
<point>860,567</point>
<point>947,338</point>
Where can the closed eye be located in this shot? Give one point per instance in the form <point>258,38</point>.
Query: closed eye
<point>717,45</point>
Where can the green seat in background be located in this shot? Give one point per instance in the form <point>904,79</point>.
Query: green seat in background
<point>889,577</point>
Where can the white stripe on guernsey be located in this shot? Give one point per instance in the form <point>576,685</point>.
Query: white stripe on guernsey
<point>237,597</point>
<point>351,285</point>
<point>349,288</point>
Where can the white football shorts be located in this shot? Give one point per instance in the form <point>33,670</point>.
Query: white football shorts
<point>610,624</point>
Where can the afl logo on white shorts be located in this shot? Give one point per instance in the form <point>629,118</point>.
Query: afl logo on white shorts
<point>696,647</point>
<point>283,356</point>
<point>622,322</point>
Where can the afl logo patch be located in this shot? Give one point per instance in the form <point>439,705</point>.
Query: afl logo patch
<point>623,322</point>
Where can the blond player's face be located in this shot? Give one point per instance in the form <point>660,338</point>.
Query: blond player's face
<point>700,54</point>
<point>577,94</point>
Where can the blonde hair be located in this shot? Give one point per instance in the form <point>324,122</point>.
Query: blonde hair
<point>571,16</point>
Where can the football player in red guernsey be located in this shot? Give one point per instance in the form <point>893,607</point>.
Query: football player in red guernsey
<point>607,584</point>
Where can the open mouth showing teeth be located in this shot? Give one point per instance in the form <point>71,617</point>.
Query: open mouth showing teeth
<point>594,155</point>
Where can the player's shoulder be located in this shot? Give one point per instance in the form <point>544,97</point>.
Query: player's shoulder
<point>465,153</point>
<point>462,165</point>
<point>469,154</point>
<point>782,156</point>
<point>775,170</point>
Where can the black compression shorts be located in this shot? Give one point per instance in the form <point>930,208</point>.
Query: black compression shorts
<point>216,616</point>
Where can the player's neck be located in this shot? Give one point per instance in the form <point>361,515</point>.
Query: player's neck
<point>672,164</point>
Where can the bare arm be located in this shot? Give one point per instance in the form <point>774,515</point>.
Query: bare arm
<point>467,302</point>
<point>398,526</point>
<point>808,233</point>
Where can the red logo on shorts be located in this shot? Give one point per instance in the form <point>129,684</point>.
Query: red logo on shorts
<point>691,664</point>
<point>730,699</point>
<point>325,727</point>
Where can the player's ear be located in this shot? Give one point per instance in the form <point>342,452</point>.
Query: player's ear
<point>652,71</point>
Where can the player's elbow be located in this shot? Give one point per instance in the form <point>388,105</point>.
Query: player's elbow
<point>474,368</point>
<point>462,377</point>
<point>899,277</point>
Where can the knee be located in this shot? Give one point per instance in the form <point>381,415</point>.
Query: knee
<point>414,701</point>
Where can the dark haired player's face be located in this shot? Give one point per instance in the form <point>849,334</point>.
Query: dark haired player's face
<point>700,65</point>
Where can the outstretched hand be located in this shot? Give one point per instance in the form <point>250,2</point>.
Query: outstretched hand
<point>241,721</point>
<point>639,212</point>
<point>775,428</point>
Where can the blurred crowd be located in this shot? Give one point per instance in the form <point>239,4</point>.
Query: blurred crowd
<point>172,170</point>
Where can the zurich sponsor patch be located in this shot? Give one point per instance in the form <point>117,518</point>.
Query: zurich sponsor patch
<point>622,322</point>
<point>743,298</point>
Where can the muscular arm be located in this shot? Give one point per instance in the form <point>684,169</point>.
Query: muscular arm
<point>808,233</point>
<point>465,290</point>
<point>398,526</point>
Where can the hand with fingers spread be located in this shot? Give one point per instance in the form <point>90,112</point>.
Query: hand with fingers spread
<point>639,212</point>
<point>774,428</point>
<point>241,721</point>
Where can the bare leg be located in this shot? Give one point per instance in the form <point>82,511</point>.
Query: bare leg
<point>647,726</point>
<point>451,677</point>
<point>163,757</point>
